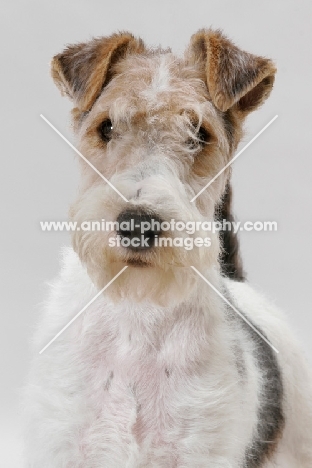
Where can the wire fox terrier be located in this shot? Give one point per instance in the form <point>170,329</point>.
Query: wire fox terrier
<point>160,371</point>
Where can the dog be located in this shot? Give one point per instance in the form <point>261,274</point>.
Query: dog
<point>175,361</point>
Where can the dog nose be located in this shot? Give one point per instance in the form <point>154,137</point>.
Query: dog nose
<point>138,230</point>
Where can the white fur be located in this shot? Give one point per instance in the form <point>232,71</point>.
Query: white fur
<point>160,82</point>
<point>142,417</point>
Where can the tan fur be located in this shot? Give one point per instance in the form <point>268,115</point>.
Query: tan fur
<point>233,77</point>
<point>82,69</point>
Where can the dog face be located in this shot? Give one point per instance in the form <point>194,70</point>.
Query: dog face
<point>158,128</point>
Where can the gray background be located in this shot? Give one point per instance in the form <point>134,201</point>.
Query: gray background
<point>39,174</point>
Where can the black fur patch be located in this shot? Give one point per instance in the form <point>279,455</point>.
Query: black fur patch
<point>229,127</point>
<point>270,413</point>
<point>230,260</point>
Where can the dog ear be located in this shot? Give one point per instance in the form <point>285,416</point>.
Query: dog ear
<point>233,77</point>
<point>82,70</point>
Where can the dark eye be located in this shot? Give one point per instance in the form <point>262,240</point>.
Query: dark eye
<point>203,136</point>
<point>106,130</point>
<point>200,138</point>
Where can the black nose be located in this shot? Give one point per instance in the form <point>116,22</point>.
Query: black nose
<point>138,230</point>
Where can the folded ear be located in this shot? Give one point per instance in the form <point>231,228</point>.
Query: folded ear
<point>233,77</point>
<point>82,70</point>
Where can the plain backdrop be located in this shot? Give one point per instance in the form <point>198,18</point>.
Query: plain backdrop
<point>272,179</point>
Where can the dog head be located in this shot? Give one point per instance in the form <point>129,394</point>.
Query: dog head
<point>158,128</point>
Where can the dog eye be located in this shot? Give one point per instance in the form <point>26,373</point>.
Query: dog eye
<point>106,130</point>
<point>200,138</point>
<point>203,136</point>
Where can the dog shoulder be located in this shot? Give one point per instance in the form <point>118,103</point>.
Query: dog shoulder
<point>269,319</point>
<point>254,304</point>
<point>66,295</point>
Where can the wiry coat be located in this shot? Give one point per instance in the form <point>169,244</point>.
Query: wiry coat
<point>159,371</point>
